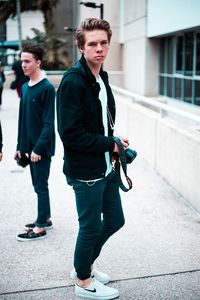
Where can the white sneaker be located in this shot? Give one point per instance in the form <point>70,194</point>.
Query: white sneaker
<point>100,276</point>
<point>96,290</point>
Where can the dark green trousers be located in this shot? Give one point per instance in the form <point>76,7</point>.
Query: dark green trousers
<point>100,215</point>
<point>40,175</point>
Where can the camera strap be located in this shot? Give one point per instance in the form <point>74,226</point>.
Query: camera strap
<point>121,161</point>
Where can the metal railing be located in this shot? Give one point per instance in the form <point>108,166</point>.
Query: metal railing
<point>162,107</point>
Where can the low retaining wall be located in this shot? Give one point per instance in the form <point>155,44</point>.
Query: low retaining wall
<point>174,152</point>
<point>54,79</point>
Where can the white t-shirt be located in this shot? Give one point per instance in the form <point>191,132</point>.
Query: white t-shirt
<point>103,99</point>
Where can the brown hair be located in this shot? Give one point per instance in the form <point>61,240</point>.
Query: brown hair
<point>89,25</point>
<point>36,51</point>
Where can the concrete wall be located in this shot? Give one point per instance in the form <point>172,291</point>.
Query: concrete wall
<point>134,51</point>
<point>177,159</point>
<point>140,55</point>
<point>112,15</point>
<point>174,152</point>
<point>172,15</point>
<point>151,67</point>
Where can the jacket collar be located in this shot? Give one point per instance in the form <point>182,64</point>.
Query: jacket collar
<point>83,67</point>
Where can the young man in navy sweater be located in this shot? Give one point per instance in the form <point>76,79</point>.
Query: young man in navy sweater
<point>36,136</point>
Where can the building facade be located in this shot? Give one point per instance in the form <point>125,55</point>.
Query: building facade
<point>161,49</point>
<point>155,48</point>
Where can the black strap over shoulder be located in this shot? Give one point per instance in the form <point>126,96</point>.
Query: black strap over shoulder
<point>121,161</point>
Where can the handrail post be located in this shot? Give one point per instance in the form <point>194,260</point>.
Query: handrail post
<point>162,113</point>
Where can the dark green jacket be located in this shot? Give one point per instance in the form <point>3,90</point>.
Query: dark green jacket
<point>36,119</point>
<point>80,124</point>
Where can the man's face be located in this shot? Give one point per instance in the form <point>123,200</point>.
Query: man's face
<point>29,64</point>
<point>96,47</point>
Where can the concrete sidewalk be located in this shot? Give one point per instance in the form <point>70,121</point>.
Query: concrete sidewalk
<point>155,256</point>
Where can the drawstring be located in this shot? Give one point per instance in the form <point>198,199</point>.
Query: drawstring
<point>110,119</point>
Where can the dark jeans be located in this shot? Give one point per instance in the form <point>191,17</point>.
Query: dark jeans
<point>100,215</point>
<point>40,175</point>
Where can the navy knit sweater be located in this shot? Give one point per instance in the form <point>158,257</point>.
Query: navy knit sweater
<point>36,119</point>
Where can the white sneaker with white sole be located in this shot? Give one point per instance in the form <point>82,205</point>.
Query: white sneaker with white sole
<point>100,276</point>
<point>96,290</point>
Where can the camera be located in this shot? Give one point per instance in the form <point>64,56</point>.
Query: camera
<point>22,161</point>
<point>130,155</point>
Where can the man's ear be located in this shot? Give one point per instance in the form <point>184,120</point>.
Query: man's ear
<point>39,62</point>
<point>81,50</point>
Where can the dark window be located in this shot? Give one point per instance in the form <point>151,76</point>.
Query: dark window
<point>169,87</point>
<point>198,55</point>
<point>179,55</point>
<point>161,85</point>
<point>178,73</point>
<point>197,93</point>
<point>178,88</point>
<point>189,50</point>
<point>188,91</point>
<point>162,56</point>
<point>170,56</point>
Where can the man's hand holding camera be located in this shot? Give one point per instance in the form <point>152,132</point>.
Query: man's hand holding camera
<point>125,144</point>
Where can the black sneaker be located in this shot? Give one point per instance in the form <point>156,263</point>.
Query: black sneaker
<point>30,235</point>
<point>48,225</point>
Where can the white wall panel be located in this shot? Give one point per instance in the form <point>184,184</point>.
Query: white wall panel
<point>167,16</point>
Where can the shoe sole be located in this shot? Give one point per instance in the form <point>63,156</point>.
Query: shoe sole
<point>30,240</point>
<point>84,295</point>
<point>46,228</point>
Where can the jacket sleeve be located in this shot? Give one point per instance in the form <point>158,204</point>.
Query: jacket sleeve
<point>3,77</point>
<point>48,117</point>
<point>70,117</point>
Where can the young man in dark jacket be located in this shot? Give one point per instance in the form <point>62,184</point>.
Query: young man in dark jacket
<point>86,116</point>
<point>36,136</point>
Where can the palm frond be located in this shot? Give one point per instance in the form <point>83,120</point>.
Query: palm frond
<point>9,9</point>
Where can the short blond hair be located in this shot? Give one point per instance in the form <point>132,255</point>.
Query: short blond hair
<point>89,25</point>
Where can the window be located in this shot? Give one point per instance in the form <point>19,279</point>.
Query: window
<point>180,67</point>
<point>169,87</point>
<point>188,91</point>
<point>178,85</point>
<point>179,55</point>
<point>197,93</point>
<point>161,85</point>
<point>189,45</point>
<point>162,55</point>
<point>170,55</point>
<point>198,55</point>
